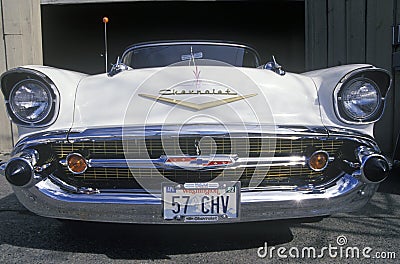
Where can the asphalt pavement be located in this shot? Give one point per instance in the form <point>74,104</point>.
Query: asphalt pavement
<point>373,232</point>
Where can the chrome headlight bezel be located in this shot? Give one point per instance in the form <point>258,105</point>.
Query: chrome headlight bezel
<point>343,112</point>
<point>15,79</point>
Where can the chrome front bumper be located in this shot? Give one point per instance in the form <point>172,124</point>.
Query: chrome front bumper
<point>49,200</point>
<point>50,197</point>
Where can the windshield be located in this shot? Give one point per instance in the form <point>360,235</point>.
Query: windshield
<point>161,55</point>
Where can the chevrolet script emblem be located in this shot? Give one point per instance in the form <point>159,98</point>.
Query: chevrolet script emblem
<point>195,106</point>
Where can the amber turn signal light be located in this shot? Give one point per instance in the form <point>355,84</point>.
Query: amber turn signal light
<point>76,163</point>
<point>318,160</point>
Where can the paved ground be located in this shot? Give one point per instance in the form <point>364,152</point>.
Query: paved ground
<point>27,238</point>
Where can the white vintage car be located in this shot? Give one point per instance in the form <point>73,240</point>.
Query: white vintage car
<point>194,132</point>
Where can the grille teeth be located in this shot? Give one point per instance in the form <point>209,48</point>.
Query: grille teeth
<point>249,173</point>
<point>154,148</point>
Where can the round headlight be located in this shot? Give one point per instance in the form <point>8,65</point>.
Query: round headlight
<point>30,101</point>
<point>360,99</point>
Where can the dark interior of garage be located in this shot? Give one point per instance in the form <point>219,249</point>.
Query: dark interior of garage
<point>73,35</point>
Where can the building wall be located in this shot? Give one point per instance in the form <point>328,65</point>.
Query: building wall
<point>21,44</point>
<point>354,31</point>
<point>81,39</point>
<point>396,74</point>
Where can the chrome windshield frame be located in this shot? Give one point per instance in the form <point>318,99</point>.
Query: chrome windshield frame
<point>191,42</point>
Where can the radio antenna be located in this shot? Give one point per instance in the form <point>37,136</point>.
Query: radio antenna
<point>105,21</point>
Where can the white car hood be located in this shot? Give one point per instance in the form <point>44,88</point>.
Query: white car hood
<point>145,97</point>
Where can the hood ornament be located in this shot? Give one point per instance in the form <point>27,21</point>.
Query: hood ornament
<point>212,91</point>
<point>197,146</point>
<point>118,67</point>
<point>274,66</point>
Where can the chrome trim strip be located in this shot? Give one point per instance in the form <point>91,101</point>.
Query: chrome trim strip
<point>71,189</point>
<point>340,133</point>
<point>232,131</point>
<point>251,130</point>
<point>160,163</point>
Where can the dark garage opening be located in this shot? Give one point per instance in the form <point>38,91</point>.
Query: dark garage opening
<point>73,35</point>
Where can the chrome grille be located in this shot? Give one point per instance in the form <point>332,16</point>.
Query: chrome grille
<point>154,148</point>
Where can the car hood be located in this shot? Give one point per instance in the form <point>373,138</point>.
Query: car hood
<point>183,95</point>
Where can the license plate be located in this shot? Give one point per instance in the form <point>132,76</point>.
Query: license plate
<point>201,202</point>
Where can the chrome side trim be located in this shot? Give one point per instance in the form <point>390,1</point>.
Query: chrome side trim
<point>40,138</point>
<point>71,189</point>
<point>340,133</point>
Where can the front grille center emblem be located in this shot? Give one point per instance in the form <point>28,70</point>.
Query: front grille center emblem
<point>202,162</point>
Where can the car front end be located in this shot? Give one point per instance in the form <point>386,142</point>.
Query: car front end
<point>195,143</point>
